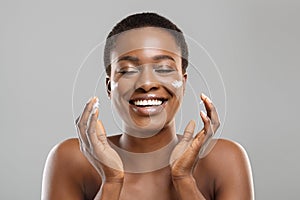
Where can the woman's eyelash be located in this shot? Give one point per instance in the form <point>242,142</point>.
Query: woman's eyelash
<point>158,69</point>
<point>164,70</point>
<point>127,71</point>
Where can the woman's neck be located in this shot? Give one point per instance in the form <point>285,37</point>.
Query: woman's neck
<point>143,155</point>
<point>157,141</point>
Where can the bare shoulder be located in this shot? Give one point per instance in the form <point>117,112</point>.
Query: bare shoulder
<point>66,153</point>
<point>228,167</point>
<point>65,171</point>
<point>228,151</point>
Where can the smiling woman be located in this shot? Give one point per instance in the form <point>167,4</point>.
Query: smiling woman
<point>145,70</point>
<point>146,59</point>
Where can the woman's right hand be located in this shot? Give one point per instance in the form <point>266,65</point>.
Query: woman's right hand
<point>94,144</point>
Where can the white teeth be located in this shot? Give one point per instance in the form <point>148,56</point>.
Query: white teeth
<point>152,102</point>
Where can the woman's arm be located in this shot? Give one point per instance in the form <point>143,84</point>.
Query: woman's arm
<point>233,173</point>
<point>64,172</point>
<point>187,189</point>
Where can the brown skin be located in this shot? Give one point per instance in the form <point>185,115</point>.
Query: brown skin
<point>89,168</point>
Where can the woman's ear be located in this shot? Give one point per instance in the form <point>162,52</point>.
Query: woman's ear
<point>185,76</point>
<point>108,86</point>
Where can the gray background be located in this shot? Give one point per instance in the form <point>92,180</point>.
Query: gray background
<point>254,43</point>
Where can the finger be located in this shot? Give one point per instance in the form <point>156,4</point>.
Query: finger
<point>207,124</point>
<point>208,105</point>
<point>193,150</point>
<point>211,112</point>
<point>101,133</point>
<point>82,123</point>
<point>82,139</point>
<point>77,120</point>
<point>96,133</point>
<point>79,137</point>
<point>78,132</point>
<point>197,143</point>
<point>189,131</point>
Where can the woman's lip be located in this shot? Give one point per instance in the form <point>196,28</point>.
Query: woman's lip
<point>136,101</point>
<point>147,97</point>
<point>148,110</point>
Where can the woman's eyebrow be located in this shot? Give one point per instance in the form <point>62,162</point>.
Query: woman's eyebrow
<point>128,58</point>
<point>163,57</point>
<point>136,59</point>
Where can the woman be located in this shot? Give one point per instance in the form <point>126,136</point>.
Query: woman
<point>146,59</point>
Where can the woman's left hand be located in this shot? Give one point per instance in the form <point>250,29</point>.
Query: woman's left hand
<point>186,152</point>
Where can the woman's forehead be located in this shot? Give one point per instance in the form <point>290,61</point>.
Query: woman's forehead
<point>147,38</point>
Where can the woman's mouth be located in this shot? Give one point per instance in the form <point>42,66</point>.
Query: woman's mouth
<point>147,102</point>
<point>148,107</point>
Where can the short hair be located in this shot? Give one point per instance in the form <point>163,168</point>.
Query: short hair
<point>141,20</point>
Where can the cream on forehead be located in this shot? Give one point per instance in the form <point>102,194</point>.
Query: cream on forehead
<point>177,84</point>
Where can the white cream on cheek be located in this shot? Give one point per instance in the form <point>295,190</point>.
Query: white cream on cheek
<point>113,85</point>
<point>177,84</point>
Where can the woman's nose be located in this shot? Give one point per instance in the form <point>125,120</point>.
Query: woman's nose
<point>147,80</point>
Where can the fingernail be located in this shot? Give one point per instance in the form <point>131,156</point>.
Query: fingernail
<point>94,110</point>
<point>90,99</point>
<point>209,100</point>
<point>206,98</point>
<point>96,104</point>
<point>203,113</point>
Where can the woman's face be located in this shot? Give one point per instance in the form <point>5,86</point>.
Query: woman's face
<point>147,83</point>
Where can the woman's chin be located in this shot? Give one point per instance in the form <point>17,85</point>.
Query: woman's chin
<point>143,130</point>
<point>147,127</point>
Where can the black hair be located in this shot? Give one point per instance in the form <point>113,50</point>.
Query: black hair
<point>141,20</point>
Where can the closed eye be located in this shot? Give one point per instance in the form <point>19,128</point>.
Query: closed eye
<point>128,71</point>
<point>164,69</point>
